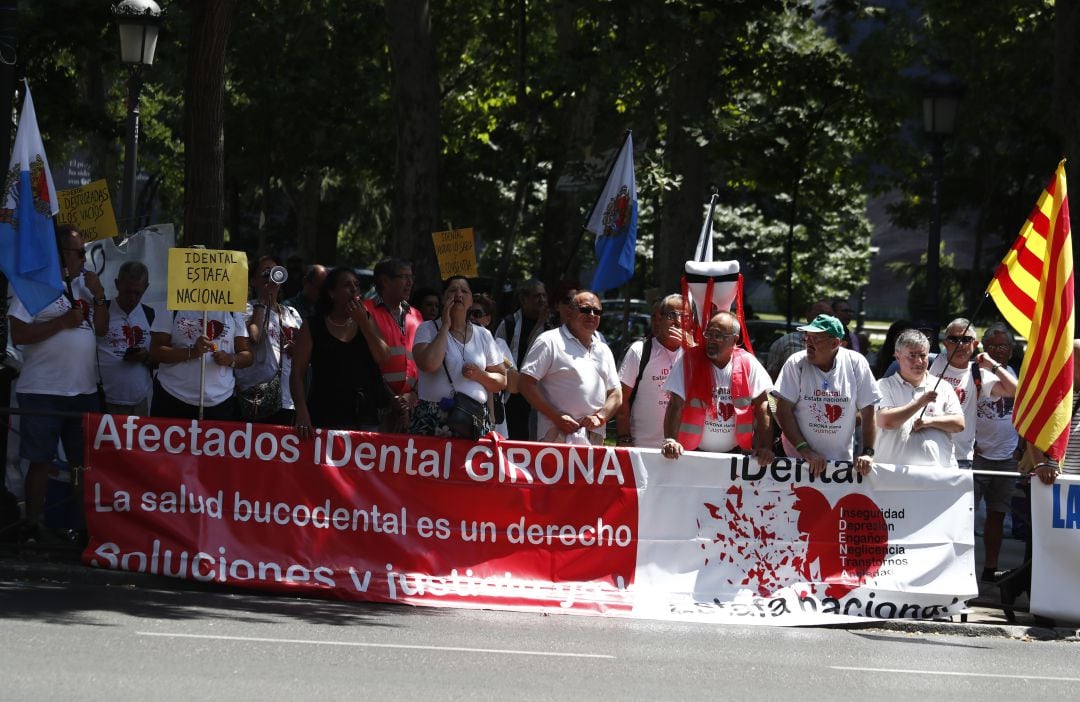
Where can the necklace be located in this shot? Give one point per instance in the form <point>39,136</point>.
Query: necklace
<point>464,343</point>
<point>347,323</point>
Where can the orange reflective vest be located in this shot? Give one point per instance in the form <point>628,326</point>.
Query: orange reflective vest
<point>698,381</point>
<point>399,373</point>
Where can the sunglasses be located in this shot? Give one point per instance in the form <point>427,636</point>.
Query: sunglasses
<point>675,316</point>
<point>716,335</point>
<point>477,313</point>
<point>959,339</point>
<point>585,309</point>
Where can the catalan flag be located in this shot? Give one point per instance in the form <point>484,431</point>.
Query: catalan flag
<point>1033,288</point>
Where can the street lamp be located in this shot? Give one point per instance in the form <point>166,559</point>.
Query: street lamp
<point>940,101</point>
<point>139,22</point>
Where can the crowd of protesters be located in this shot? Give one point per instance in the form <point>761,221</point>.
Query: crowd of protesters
<point>445,363</point>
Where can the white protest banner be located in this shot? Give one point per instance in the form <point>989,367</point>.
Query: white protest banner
<point>1055,557</point>
<point>526,526</point>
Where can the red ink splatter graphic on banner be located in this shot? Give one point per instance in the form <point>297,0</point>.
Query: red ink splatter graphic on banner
<point>756,537</point>
<point>865,539</point>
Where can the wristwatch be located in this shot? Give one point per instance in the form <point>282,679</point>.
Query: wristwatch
<point>868,452</point>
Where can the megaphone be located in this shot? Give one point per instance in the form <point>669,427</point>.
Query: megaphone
<point>712,287</point>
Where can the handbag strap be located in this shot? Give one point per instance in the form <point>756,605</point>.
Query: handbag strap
<point>445,369</point>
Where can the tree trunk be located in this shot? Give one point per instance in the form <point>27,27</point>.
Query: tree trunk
<point>416,100</point>
<point>204,120</point>
<point>682,207</point>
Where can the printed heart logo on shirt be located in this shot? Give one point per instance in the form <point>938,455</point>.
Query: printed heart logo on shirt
<point>843,562</point>
<point>288,332</point>
<point>726,410</point>
<point>962,394</point>
<point>132,335</point>
<point>833,412</point>
<point>214,328</point>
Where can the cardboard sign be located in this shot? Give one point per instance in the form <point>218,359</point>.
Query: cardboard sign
<point>89,209</point>
<point>456,252</point>
<point>207,279</point>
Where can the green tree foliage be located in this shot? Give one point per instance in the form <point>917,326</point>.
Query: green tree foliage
<point>794,111</point>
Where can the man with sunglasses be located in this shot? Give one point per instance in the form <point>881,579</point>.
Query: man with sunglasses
<point>645,368</point>
<point>977,377</point>
<point>819,394</point>
<point>59,372</point>
<point>569,377</point>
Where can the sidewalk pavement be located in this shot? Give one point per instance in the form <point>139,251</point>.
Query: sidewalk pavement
<point>985,615</point>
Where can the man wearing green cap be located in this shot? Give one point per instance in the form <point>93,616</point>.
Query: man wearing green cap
<point>819,394</point>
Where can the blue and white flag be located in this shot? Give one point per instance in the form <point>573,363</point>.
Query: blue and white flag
<point>28,255</point>
<point>614,222</point>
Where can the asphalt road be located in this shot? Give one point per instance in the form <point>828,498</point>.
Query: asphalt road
<point>66,641</point>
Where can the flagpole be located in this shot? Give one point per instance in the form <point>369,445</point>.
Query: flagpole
<point>707,239</point>
<point>948,359</point>
<point>581,232</point>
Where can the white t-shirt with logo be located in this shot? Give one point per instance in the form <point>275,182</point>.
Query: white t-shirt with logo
<point>65,364</point>
<point>719,433</point>
<point>286,324</point>
<point>125,382</point>
<point>961,381</point>
<point>651,399</point>
<point>827,402</point>
<point>181,380</point>
<point>929,447</point>
<point>995,435</point>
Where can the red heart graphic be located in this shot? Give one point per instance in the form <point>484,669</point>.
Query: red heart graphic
<point>961,393</point>
<point>726,410</point>
<point>129,335</point>
<point>214,329</point>
<point>849,541</point>
<point>289,332</point>
<point>833,412</point>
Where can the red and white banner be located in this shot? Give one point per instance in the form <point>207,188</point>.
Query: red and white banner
<point>526,526</point>
<point>1055,557</point>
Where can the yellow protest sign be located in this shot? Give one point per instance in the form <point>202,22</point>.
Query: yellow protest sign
<point>207,279</point>
<point>456,252</point>
<point>89,209</point>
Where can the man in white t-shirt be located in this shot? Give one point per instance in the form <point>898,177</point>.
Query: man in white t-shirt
<point>569,377</point>
<point>819,393</point>
<point>917,421</point>
<point>733,410</point>
<point>996,443</point>
<point>124,351</point>
<point>954,365</point>
<point>59,372</point>
<point>640,420</point>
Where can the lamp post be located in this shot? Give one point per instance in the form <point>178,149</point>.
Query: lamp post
<point>139,22</point>
<point>940,100</point>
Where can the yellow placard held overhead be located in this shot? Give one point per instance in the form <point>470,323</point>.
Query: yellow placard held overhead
<point>207,279</point>
<point>89,209</point>
<point>456,252</point>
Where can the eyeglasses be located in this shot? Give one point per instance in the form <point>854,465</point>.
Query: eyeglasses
<point>80,252</point>
<point>959,339</point>
<point>997,347</point>
<point>717,335</point>
<point>477,313</point>
<point>673,316</point>
<point>595,311</point>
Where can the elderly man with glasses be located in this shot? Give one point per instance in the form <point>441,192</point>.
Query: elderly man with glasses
<point>735,387</point>
<point>985,386</point>
<point>819,394</point>
<point>644,368</point>
<point>59,373</point>
<point>569,377</point>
